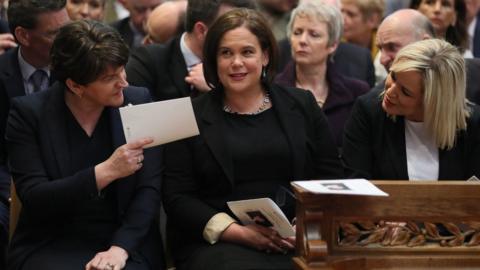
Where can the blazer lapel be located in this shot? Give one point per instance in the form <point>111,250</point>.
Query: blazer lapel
<point>395,141</point>
<point>213,124</point>
<point>56,123</point>
<point>292,123</point>
<point>13,76</point>
<point>178,70</point>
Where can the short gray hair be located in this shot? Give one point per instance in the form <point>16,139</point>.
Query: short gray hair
<point>322,12</point>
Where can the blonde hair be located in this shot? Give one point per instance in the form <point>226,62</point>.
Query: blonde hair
<point>443,71</point>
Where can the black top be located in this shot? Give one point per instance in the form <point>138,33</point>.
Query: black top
<point>94,218</point>
<point>260,154</point>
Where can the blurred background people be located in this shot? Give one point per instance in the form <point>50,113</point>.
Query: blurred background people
<point>175,69</point>
<point>361,19</point>
<point>89,201</point>
<point>132,28</point>
<point>277,13</point>
<point>473,25</point>
<point>421,126</point>
<point>315,29</point>
<point>255,137</point>
<point>86,9</point>
<point>448,18</point>
<point>166,22</point>
<point>350,60</point>
<point>407,26</point>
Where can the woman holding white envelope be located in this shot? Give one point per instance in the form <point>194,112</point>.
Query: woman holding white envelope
<point>90,201</point>
<point>255,137</point>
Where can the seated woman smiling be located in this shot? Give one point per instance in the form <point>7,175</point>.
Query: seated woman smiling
<point>255,137</point>
<point>420,127</point>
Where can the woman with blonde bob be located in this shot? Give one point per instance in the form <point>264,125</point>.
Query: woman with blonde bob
<point>421,127</point>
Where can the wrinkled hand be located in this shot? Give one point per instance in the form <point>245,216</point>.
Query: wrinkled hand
<point>7,41</point>
<point>195,77</point>
<point>124,161</point>
<point>257,237</point>
<point>114,258</point>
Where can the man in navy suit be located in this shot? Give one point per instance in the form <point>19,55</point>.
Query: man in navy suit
<point>34,25</point>
<point>174,69</point>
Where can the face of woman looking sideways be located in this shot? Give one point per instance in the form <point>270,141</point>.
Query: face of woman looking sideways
<point>85,9</point>
<point>403,95</point>
<point>240,60</point>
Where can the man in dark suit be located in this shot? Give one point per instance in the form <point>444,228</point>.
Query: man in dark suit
<point>132,28</point>
<point>174,70</point>
<point>473,24</point>
<point>34,25</point>
<point>395,33</point>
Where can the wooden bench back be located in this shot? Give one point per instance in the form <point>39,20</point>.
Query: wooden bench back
<point>420,225</point>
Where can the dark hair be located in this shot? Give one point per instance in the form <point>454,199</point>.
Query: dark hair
<point>24,13</point>
<point>84,49</point>
<point>241,17</point>
<point>457,34</point>
<point>206,11</point>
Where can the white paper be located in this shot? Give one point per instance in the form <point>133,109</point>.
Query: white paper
<point>264,212</point>
<point>164,121</point>
<point>343,186</point>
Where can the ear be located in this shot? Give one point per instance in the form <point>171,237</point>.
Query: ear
<point>200,30</point>
<point>332,48</point>
<point>266,58</point>
<point>374,20</point>
<point>76,88</point>
<point>22,35</point>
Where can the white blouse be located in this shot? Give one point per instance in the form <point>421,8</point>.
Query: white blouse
<point>422,153</point>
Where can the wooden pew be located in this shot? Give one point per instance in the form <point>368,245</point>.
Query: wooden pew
<point>434,225</point>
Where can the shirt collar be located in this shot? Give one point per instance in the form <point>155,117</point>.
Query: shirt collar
<point>190,58</point>
<point>26,69</point>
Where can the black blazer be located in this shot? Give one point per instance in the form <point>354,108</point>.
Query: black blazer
<point>11,85</point>
<point>199,173</point>
<point>123,28</point>
<point>374,145</point>
<point>39,163</point>
<point>349,59</point>
<point>161,68</point>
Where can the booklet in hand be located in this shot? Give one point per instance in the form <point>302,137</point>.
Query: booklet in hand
<point>263,212</point>
<point>164,121</point>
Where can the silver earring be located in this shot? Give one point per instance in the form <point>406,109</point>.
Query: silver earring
<point>264,72</point>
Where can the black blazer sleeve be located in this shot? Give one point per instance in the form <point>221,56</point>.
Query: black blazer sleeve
<point>180,188</point>
<point>357,142</point>
<point>44,198</point>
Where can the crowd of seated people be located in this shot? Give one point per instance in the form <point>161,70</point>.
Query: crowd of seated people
<point>273,104</point>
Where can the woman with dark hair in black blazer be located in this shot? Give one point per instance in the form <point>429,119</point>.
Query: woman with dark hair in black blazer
<point>90,201</point>
<point>255,138</point>
<point>421,127</point>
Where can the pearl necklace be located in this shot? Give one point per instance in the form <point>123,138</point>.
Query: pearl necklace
<point>263,107</point>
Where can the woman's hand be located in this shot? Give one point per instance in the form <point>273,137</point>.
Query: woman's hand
<point>257,237</point>
<point>126,160</point>
<point>113,259</point>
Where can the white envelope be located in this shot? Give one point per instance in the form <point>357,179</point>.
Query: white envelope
<point>164,121</point>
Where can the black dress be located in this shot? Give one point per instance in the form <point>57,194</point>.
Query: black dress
<point>262,168</point>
